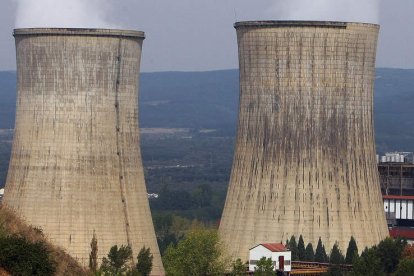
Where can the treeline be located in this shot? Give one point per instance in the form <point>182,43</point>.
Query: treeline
<point>201,203</point>
<point>390,256</point>
<point>200,252</point>
<point>119,261</point>
<point>180,161</point>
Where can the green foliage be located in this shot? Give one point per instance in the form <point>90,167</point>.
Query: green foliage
<point>369,264</point>
<point>199,253</point>
<point>320,253</point>
<point>264,267</point>
<point>202,196</point>
<point>389,251</point>
<point>351,252</point>
<point>239,268</point>
<point>336,259</point>
<point>164,225</point>
<point>336,256</point>
<point>405,267</point>
<point>309,253</point>
<point>118,260</point>
<point>144,264</point>
<point>293,248</point>
<point>21,257</point>
<point>93,256</point>
<point>301,249</point>
<point>171,228</point>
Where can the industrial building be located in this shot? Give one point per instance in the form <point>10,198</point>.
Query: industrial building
<point>397,186</point>
<point>76,167</point>
<point>397,178</point>
<point>396,170</point>
<point>304,160</point>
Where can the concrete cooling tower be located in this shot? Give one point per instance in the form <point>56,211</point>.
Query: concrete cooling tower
<point>76,163</point>
<point>305,153</point>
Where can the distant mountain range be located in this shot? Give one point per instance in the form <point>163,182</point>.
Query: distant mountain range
<point>210,100</point>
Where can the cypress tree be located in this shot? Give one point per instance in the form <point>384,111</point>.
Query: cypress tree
<point>293,248</point>
<point>336,256</point>
<point>352,251</point>
<point>144,264</point>
<point>93,256</point>
<point>309,253</point>
<point>320,254</point>
<point>336,259</point>
<point>301,249</point>
<point>325,255</point>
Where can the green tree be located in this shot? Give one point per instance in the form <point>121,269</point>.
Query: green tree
<point>405,267</point>
<point>389,251</point>
<point>351,252</point>
<point>320,253</point>
<point>309,253</point>
<point>369,264</point>
<point>301,249</point>
<point>293,246</point>
<point>336,259</point>
<point>199,253</point>
<point>93,256</point>
<point>144,264</point>
<point>239,268</point>
<point>202,195</point>
<point>18,256</point>
<point>264,267</point>
<point>118,260</point>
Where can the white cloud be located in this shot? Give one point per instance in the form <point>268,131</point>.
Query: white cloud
<point>366,11</point>
<point>63,13</point>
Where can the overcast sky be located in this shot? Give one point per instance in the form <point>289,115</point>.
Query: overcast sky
<point>198,35</point>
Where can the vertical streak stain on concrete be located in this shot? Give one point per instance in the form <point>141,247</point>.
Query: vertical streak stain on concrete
<point>76,163</point>
<point>304,160</point>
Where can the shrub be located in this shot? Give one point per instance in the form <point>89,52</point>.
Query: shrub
<point>264,267</point>
<point>405,267</point>
<point>21,257</point>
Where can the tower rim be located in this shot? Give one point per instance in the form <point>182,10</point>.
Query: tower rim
<point>299,23</point>
<point>78,32</point>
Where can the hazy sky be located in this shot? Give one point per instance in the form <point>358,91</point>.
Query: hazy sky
<point>189,35</point>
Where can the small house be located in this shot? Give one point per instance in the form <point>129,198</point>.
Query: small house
<point>280,255</point>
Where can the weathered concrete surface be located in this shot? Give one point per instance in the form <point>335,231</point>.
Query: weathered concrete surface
<point>76,163</point>
<point>305,156</point>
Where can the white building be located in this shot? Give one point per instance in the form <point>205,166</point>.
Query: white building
<point>1,193</point>
<point>396,157</point>
<point>279,254</point>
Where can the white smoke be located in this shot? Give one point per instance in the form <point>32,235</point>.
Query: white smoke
<point>63,13</point>
<point>366,11</point>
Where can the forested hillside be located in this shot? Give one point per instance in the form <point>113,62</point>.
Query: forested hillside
<point>209,100</point>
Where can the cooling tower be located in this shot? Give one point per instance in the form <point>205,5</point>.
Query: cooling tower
<point>305,153</point>
<point>76,163</point>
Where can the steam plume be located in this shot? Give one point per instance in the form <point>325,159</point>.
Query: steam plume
<point>63,13</point>
<point>366,11</point>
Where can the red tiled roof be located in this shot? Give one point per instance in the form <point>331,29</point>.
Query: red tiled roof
<point>275,247</point>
